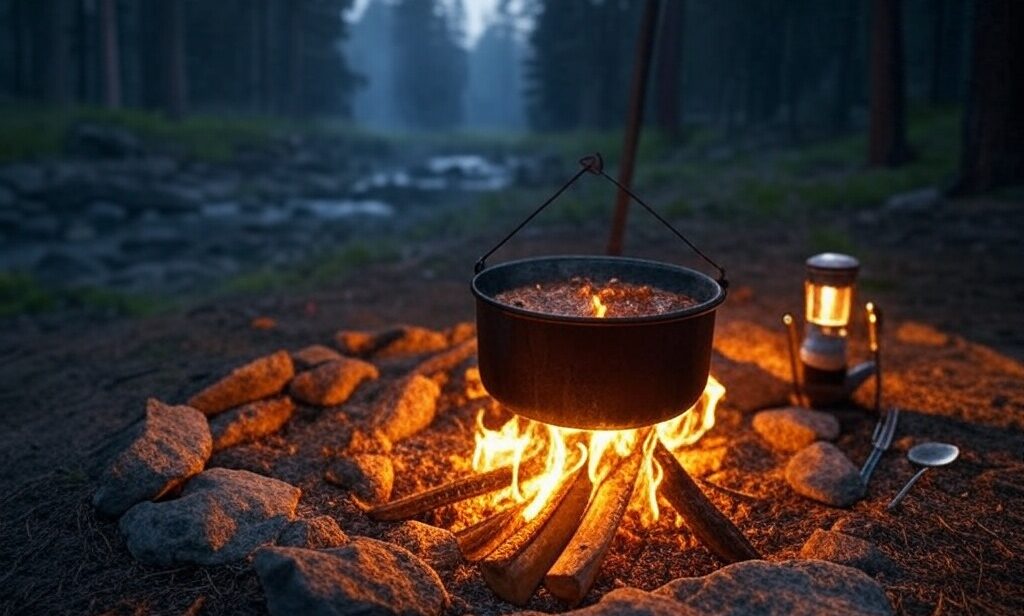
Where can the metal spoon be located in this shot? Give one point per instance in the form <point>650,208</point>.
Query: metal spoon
<point>926,455</point>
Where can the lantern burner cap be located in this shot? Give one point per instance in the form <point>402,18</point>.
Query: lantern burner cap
<point>832,269</point>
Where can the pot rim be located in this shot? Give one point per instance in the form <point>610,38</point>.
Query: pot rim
<point>703,307</point>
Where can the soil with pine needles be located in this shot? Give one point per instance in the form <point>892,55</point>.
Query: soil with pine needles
<point>953,343</point>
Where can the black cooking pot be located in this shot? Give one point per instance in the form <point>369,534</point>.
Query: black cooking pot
<point>595,373</point>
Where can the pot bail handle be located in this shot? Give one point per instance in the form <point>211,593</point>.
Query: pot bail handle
<point>595,164</point>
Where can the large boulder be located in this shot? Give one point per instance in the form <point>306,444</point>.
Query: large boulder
<point>250,422</point>
<point>170,445</point>
<point>792,428</point>
<point>823,473</point>
<point>258,379</point>
<point>222,516</point>
<point>406,407</point>
<point>332,383</point>
<point>788,588</point>
<point>364,577</point>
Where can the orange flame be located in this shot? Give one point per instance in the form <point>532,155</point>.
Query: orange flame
<point>519,439</point>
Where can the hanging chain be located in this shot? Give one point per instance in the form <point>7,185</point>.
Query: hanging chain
<point>595,164</point>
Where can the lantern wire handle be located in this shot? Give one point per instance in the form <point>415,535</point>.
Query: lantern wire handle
<point>595,164</point>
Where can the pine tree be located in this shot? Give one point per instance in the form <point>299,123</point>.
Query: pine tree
<point>430,66</point>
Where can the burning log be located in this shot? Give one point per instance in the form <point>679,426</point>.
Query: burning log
<point>515,569</point>
<point>476,542</point>
<point>453,492</point>
<point>708,523</point>
<point>573,573</point>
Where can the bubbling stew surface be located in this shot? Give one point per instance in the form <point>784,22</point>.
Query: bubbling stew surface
<point>582,297</point>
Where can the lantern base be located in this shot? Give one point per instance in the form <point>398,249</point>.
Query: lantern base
<point>824,388</point>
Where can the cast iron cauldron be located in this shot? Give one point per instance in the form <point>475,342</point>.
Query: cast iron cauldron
<point>595,373</point>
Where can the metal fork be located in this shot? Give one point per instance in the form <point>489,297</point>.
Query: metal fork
<point>881,439</point>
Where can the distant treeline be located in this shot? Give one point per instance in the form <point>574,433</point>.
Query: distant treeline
<point>265,56</point>
<point>741,62</point>
<point>794,66</point>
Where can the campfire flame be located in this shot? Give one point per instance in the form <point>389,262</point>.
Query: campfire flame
<point>601,450</point>
<point>565,450</point>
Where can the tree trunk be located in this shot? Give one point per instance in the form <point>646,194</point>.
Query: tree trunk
<point>17,22</point>
<point>887,139</point>
<point>256,12</point>
<point>669,78</point>
<point>296,69</point>
<point>845,73</point>
<point>55,90</point>
<point>993,142</point>
<point>935,79</point>
<point>175,84</point>
<point>111,54</point>
<point>792,67</point>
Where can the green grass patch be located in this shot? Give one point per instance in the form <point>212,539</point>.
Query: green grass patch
<point>32,132</point>
<point>828,239</point>
<point>22,294</point>
<point>325,268</point>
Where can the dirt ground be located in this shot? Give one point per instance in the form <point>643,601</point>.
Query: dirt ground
<point>950,282</point>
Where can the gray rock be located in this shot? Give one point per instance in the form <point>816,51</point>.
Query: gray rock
<point>102,141</point>
<point>364,577</point>
<point>823,473</point>
<point>629,602</point>
<point>400,341</point>
<point>42,226</point>
<point>250,422</point>
<point>846,550</point>
<point>222,516</point>
<point>314,355</point>
<point>369,476</point>
<point>313,533</point>
<point>406,407</point>
<point>788,588</point>
<point>170,445</point>
<point>106,213</point>
<point>914,201</point>
<point>66,266</point>
<point>792,428</point>
<point>332,383</point>
<point>6,197</point>
<point>23,178</point>
<point>368,441</point>
<point>437,546</point>
<point>258,379</point>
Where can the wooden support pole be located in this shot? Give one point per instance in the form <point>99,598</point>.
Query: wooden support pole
<point>638,95</point>
<point>515,569</point>
<point>453,492</point>
<point>476,542</point>
<point>709,524</point>
<point>572,575</point>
